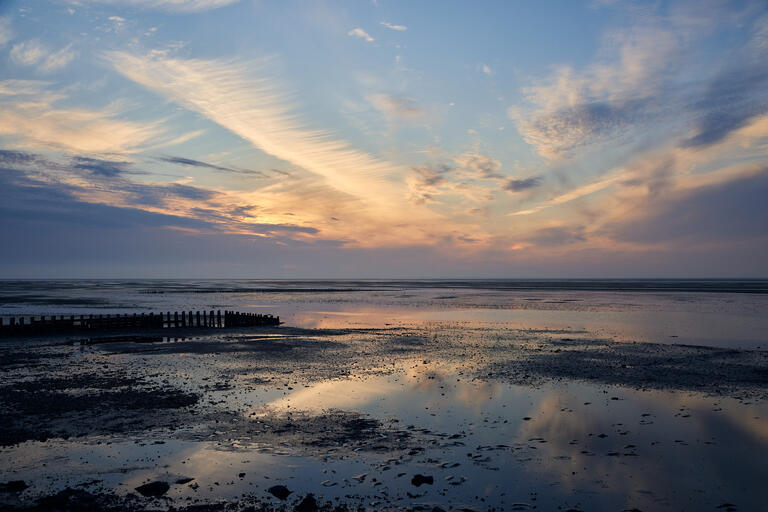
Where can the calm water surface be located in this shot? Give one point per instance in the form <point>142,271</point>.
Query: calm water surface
<point>722,313</point>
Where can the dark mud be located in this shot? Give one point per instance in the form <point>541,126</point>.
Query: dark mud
<point>641,366</point>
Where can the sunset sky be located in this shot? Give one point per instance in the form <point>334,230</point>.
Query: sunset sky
<point>226,138</point>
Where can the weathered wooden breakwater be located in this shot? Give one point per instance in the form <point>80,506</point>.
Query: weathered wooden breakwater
<point>63,324</point>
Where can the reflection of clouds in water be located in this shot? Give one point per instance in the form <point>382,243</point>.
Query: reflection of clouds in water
<point>358,392</point>
<point>474,395</point>
<point>558,428</point>
<point>352,315</point>
<point>432,375</point>
<point>410,382</point>
<point>665,468</point>
<point>335,394</point>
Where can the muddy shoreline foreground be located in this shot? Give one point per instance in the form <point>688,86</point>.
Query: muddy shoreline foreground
<point>62,390</point>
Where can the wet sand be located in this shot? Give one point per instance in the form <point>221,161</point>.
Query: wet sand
<point>424,417</point>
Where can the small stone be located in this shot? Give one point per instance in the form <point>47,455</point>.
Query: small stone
<point>279,491</point>
<point>184,480</point>
<point>418,480</point>
<point>153,489</point>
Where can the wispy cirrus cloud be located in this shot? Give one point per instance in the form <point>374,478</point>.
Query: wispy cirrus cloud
<point>239,98</point>
<point>179,6</point>
<point>34,53</point>
<point>245,100</point>
<point>29,115</point>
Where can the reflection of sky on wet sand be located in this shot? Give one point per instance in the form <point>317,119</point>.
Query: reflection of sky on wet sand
<point>608,446</point>
<point>682,327</point>
<point>587,446</point>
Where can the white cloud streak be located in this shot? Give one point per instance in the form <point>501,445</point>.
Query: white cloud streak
<point>33,52</point>
<point>178,6</point>
<point>29,116</point>
<point>360,33</point>
<point>576,193</point>
<point>399,28</point>
<point>234,96</point>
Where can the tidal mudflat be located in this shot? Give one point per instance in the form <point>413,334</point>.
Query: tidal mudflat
<point>422,398</point>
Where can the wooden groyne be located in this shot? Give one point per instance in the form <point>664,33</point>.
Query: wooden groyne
<point>64,324</point>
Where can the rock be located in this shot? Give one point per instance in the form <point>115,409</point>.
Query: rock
<point>184,480</point>
<point>308,504</point>
<point>279,491</point>
<point>153,489</point>
<point>13,486</point>
<point>418,480</point>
